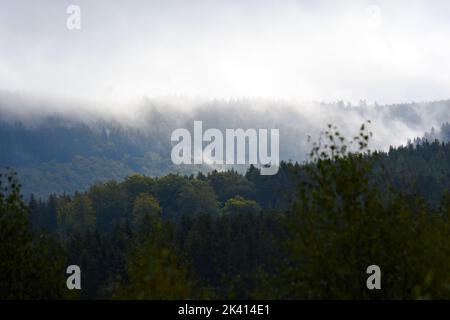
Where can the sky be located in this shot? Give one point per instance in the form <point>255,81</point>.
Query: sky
<point>384,51</point>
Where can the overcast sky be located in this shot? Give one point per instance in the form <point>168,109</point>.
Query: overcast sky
<point>385,51</point>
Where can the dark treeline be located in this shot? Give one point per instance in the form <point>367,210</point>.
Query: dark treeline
<point>308,232</point>
<point>56,153</point>
<point>442,134</point>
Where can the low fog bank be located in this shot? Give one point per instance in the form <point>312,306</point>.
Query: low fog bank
<point>392,125</point>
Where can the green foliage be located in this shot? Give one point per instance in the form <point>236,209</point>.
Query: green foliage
<point>155,273</point>
<point>229,184</point>
<point>146,214</point>
<point>445,205</point>
<point>110,203</point>
<point>340,226</point>
<point>197,197</point>
<point>153,270</point>
<point>77,215</point>
<point>239,205</point>
<point>223,234</point>
<point>31,266</point>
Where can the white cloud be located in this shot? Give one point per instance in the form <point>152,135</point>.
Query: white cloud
<point>330,50</point>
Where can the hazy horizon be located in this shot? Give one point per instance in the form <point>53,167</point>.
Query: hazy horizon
<point>294,50</point>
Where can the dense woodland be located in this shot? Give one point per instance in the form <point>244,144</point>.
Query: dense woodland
<point>57,153</point>
<point>308,232</point>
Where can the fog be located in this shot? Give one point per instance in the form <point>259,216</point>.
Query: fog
<point>392,125</point>
<point>160,65</point>
<point>127,51</point>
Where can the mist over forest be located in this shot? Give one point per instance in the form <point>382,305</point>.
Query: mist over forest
<point>70,148</point>
<point>105,104</point>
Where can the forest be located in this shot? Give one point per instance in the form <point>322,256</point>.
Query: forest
<point>308,232</point>
<point>55,152</point>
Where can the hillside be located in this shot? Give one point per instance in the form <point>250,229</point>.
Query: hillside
<point>56,153</point>
<point>232,231</point>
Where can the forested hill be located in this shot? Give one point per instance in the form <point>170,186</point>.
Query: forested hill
<point>234,236</point>
<point>63,153</point>
<point>227,235</point>
<point>422,170</point>
<point>441,134</point>
<point>56,158</point>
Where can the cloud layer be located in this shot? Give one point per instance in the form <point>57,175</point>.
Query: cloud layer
<point>375,50</point>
